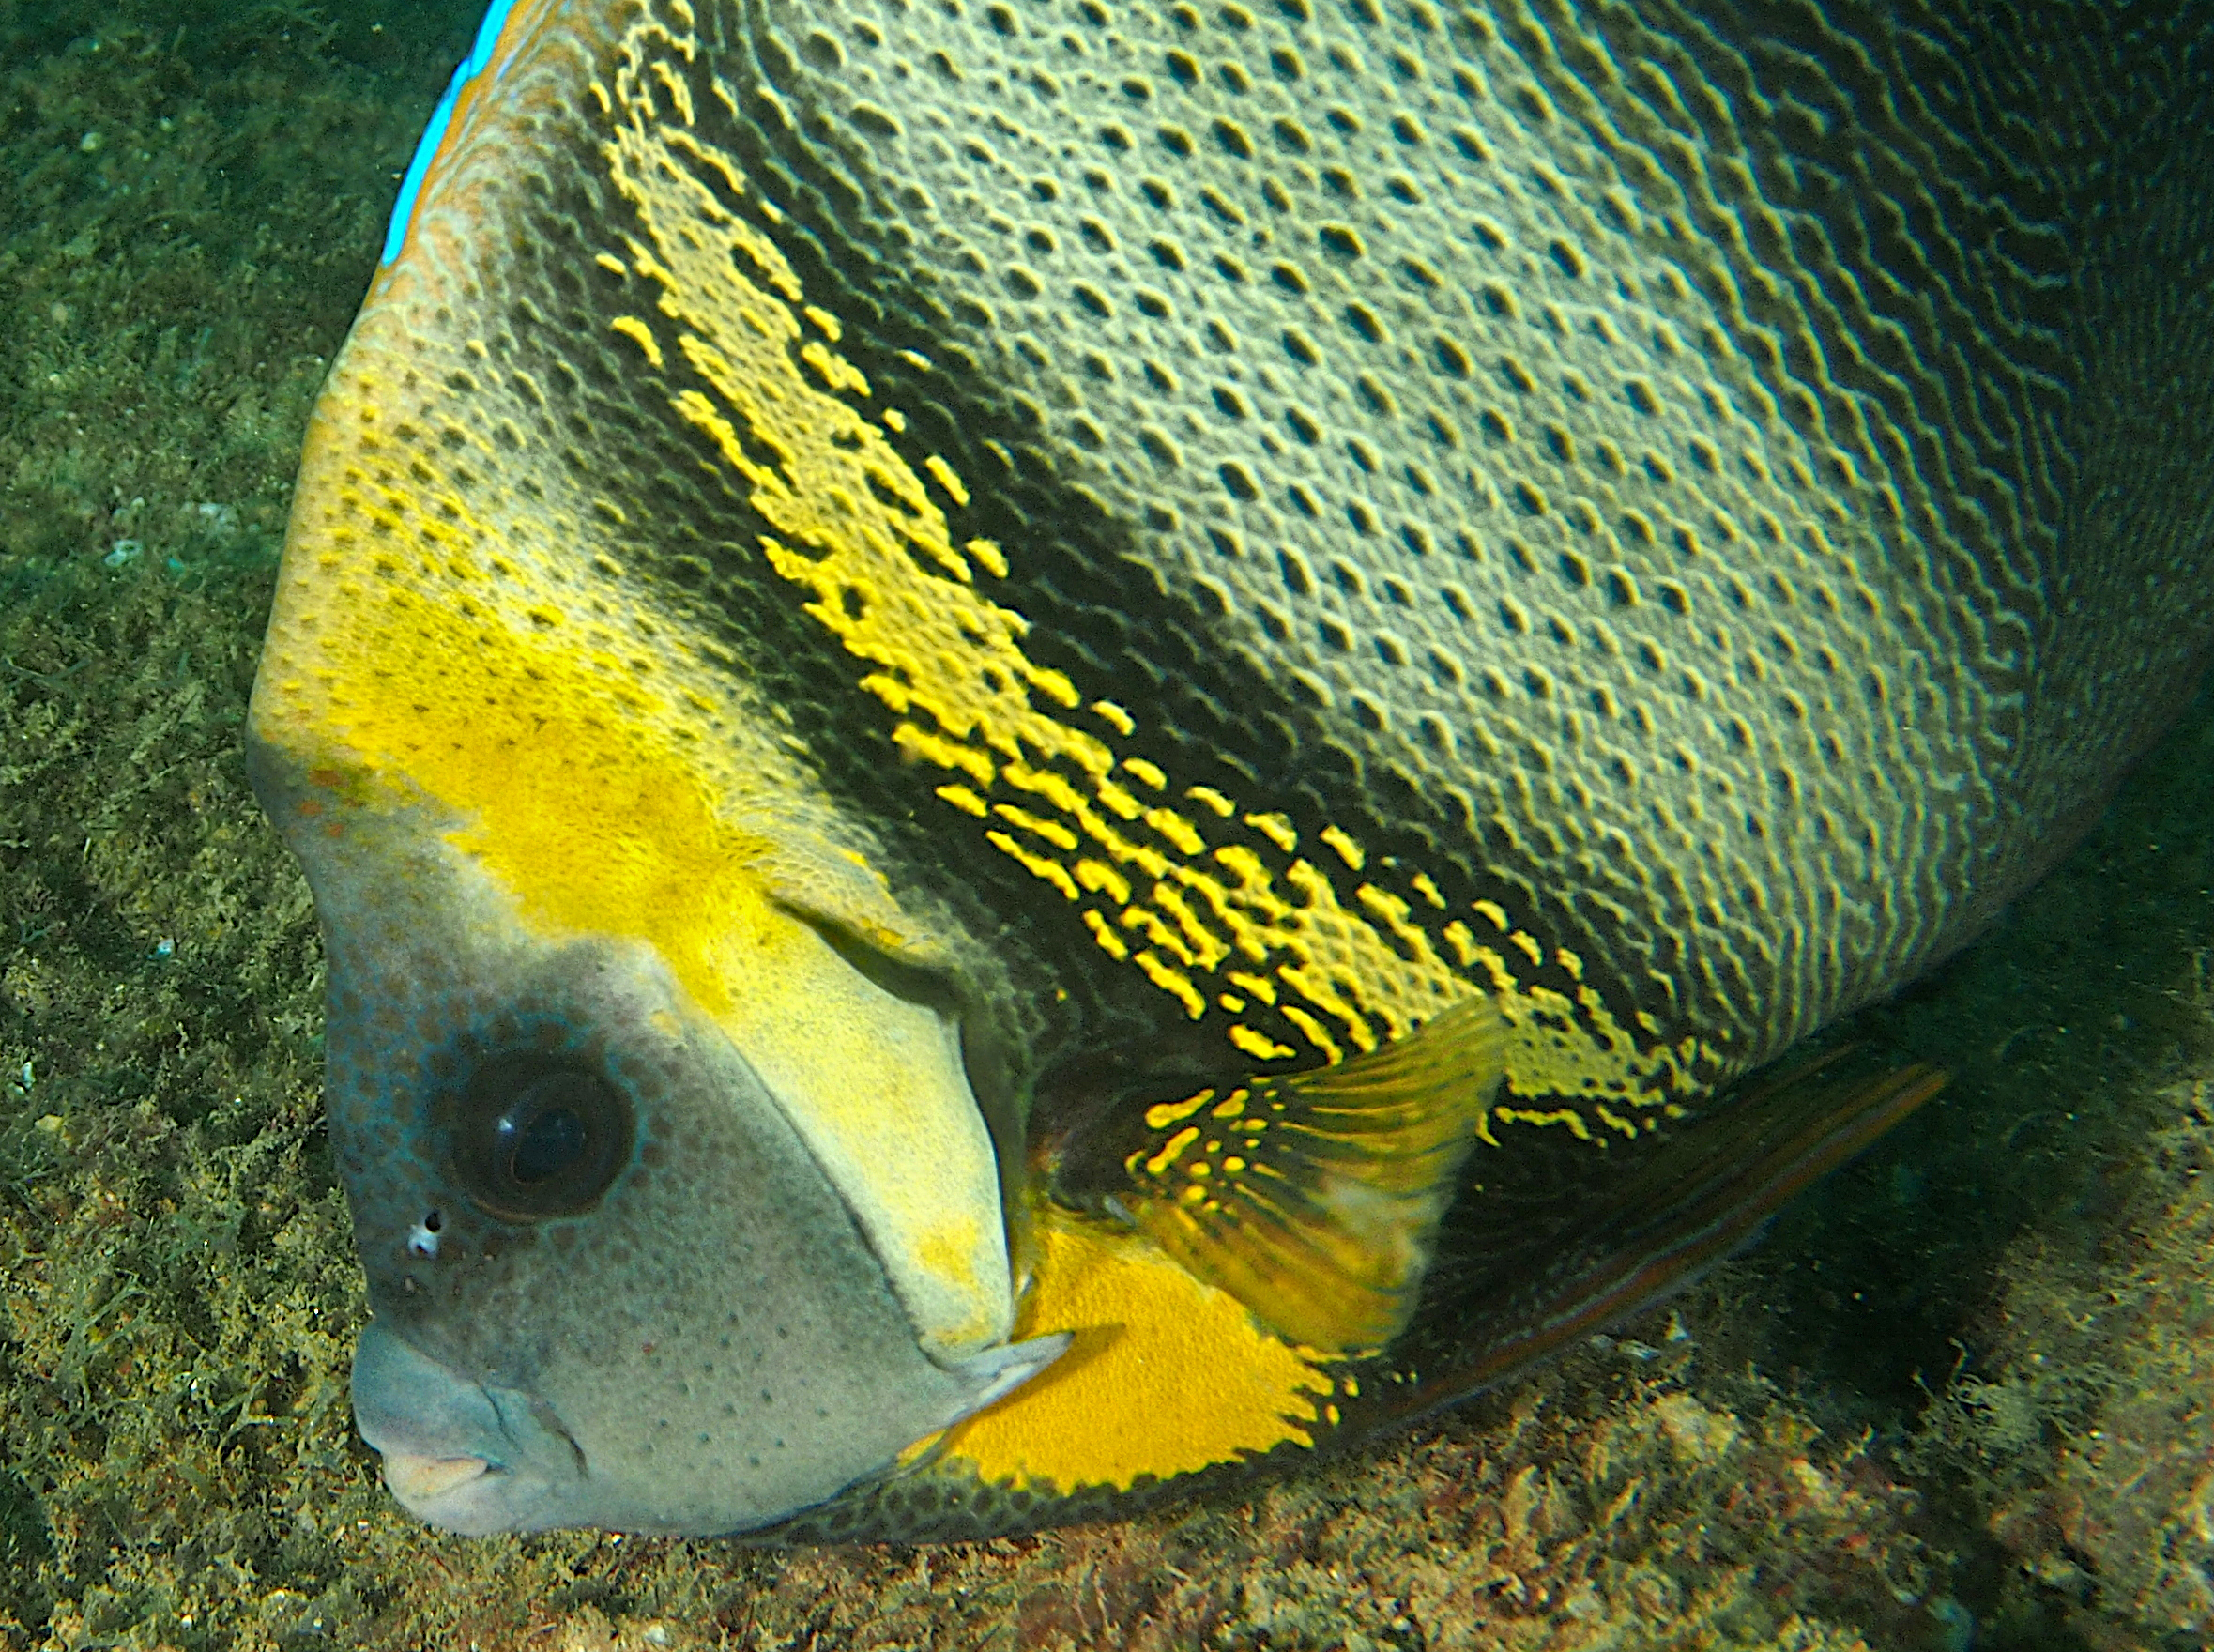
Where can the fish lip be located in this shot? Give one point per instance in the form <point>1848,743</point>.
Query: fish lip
<point>416,1479</point>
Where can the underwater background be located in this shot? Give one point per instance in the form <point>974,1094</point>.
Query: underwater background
<point>1962,1396</point>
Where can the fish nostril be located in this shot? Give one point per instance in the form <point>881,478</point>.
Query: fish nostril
<point>422,1239</point>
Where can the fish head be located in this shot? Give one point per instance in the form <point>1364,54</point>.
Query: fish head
<point>636,1261</point>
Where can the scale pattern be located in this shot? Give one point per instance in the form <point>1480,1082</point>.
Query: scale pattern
<point>1665,468</point>
<point>1667,514</point>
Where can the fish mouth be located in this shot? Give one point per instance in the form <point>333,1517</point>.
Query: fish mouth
<point>459,1453</point>
<point>414,1479</point>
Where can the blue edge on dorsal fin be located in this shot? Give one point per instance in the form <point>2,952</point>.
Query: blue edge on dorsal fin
<point>475,63</point>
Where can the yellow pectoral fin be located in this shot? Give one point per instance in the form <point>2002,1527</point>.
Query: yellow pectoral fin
<point>1167,1374</point>
<point>1315,1198</point>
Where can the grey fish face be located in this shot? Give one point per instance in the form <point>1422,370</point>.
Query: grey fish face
<point>612,1284</point>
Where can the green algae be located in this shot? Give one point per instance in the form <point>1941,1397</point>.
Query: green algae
<point>1954,1390</point>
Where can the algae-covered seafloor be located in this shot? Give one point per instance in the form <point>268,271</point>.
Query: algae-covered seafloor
<point>1962,1396</point>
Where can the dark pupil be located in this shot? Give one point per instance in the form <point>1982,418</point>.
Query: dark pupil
<point>539,1141</point>
<point>537,1136</point>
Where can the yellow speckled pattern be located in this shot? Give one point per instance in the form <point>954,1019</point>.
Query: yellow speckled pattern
<point>861,535</point>
<point>1607,499</point>
<point>1166,880</point>
<point>1315,1198</point>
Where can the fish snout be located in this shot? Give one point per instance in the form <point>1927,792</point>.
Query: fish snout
<point>462,1456</point>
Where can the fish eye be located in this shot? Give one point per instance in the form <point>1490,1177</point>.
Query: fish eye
<point>536,1137</point>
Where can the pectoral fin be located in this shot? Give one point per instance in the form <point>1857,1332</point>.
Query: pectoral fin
<point>1180,1369</point>
<point>1315,1198</point>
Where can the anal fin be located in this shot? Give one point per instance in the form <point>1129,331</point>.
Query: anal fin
<point>1540,1255</point>
<point>1315,1198</point>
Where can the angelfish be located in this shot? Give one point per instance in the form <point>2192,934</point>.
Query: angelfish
<point>1052,749</point>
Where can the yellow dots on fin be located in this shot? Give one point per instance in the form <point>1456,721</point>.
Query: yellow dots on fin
<point>1208,798</point>
<point>640,334</point>
<point>988,555</point>
<point>1164,1113</point>
<point>1463,943</point>
<point>1391,911</point>
<point>606,261</point>
<point>1174,827</point>
<point>1495,970</point>
<point>1054,685</point>
<point>1172,1149</point>
<point>945,476</point>
<point>1170,981</point>
<point>920,745</point>
<point>1313,1032</point>
<point>1200,945</point>
<point>1109,943</point>
<point>834,368</point>
<point>1038,866</point>
<point>1497,913</point>
<point>1053,831</point>
<point>894,420</point>
<point>1120,802</point>
<point>1278,829</point>
<point>1102,878</point>
<point>826,323</point>
<point>1259,986</point>
<point>1323,1225</point>
<point>1348,850</point>
<point>1147,774</point>
<point>1115,717</point>
<point>965,800</point>
<point>1565,1116</point>
<point>1259,1046</point>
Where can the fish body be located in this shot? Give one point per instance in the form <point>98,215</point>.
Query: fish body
<point>1047,750</point>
